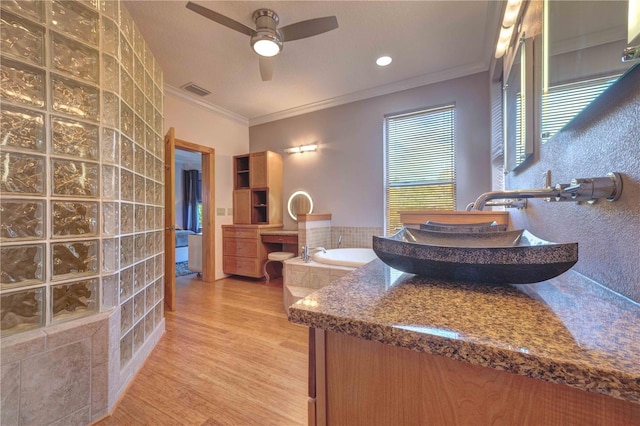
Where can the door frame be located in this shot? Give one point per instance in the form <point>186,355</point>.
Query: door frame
<point>208,217</point>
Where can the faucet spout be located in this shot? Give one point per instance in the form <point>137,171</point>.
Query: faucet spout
<point>482,200</point>
<point>509,203</point>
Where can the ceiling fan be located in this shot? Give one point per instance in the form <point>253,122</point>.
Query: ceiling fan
<point>267,38</point>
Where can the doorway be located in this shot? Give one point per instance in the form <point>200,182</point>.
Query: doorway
<point>208,218</point>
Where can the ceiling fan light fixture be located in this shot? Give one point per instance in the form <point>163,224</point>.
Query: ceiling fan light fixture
<point>266,43</point>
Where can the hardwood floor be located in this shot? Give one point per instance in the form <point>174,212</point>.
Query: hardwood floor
<point>229,357</point>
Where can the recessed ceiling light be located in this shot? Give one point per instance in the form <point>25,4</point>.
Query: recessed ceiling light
<point>383,61</point>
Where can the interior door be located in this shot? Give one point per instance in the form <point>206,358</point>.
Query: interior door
<point>170,220</point>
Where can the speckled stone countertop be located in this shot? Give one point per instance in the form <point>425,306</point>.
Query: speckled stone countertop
<point>567,330</point>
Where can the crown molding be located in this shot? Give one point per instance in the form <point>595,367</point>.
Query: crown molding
<point>407,84</point>
<point>207,105</point>
<point>410,83</point>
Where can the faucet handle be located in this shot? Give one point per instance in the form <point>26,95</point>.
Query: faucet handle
<point>590,189</point>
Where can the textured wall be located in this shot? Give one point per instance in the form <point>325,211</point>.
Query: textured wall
<point>605,138</point>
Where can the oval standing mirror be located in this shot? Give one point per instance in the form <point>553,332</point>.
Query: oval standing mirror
<point>583,44</point>
<point>300,202</point>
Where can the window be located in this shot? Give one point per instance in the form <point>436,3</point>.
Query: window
<point>420,163</point>
<point>562,102</point>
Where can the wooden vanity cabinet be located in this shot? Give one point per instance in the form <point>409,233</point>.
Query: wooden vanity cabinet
<point>257,205</point>
<point>243,252</point>
<point>257,192</point>
<point>245,249</point>
<point>354,382</point>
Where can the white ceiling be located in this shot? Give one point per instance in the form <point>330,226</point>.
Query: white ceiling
<point>429,41</point>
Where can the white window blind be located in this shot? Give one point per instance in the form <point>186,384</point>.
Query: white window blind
<point>420,163</point>
<point>564,101</point>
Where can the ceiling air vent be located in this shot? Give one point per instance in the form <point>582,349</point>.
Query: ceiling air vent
<point>194,88</point>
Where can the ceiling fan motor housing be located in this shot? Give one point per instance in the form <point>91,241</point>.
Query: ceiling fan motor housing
<point>265,18</point>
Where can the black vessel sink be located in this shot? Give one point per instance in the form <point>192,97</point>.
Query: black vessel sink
<point>463,227</point>
<point>509,257</point>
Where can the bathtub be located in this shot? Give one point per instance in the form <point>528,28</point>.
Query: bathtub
<point>303,278</point>
<point>352,257</point>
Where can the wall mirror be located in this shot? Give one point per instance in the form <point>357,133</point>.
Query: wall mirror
<point>518,105</point>
<point>300,202</point>
<point>582,48</point>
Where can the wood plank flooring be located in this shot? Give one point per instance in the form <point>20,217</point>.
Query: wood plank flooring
<point>229,357</point>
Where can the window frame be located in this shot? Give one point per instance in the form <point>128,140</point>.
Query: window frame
<point>419,183</point>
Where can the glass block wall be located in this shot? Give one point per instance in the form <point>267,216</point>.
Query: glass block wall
<point>81,168</point>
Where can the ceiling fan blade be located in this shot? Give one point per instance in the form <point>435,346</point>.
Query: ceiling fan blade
<point>308,28</point>
<point>266,67</point>
<point>220,19</point>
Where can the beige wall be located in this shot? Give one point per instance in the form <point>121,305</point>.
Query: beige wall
<point>345,176</point>
<point>227,135</point>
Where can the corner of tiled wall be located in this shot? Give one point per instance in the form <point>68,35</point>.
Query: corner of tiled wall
<point>354,237</point>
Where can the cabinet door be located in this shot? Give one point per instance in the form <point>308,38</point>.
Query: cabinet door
<point>258,164</point>
<point>242,206</point>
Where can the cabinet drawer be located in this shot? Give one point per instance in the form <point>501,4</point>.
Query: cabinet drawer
<point>240,233</point>
<point>240,247</point>
<point>282,239</point>
<point>241,266</point>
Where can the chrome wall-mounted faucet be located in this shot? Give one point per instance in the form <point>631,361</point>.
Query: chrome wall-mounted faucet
<point>582,189</point>
<point>339,241</point>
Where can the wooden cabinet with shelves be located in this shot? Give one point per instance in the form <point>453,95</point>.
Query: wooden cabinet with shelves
<point>259,206</point>
<point>257,195</point>
<point>241,172</point>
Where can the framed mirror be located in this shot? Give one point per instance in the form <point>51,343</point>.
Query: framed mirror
<point>582,48</point>
<point>517,105</point>
<point>300,202</point>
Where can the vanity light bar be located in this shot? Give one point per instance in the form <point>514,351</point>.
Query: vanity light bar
<point>503,41</point>
<point>633,27</point>
<point>301,148</point>
<point>509,20</point>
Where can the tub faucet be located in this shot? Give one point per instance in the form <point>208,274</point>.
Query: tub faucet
<point>339,241</point>
<point>308,251</point>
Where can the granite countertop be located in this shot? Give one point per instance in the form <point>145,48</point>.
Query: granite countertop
<point>567,330</point>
